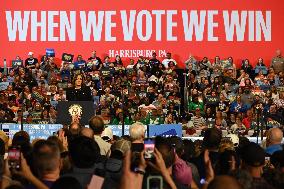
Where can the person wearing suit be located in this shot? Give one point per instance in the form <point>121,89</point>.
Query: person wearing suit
<point>79,92</point>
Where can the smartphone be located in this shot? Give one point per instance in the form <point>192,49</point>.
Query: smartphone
<point>155,182</point>
<point>137,147</point>
<point>267,161</point>
<point>149,147</point>
<point>14,157</point>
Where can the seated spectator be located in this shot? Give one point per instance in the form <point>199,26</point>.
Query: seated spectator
<point>168,59</point>
<point>80,63</point>
<point>197,121</point>
<point>247,67</point>
<point>260,67</point>
<point>238,126</point>
<point>195,103</point>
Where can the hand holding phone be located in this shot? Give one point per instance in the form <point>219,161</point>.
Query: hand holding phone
<point>14,158</point>
<point>149,147</point>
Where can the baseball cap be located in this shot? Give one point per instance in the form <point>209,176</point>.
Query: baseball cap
<point>234,138</point>
<point>30,53</point>
<point>121,145</point>
<point>253,155</point>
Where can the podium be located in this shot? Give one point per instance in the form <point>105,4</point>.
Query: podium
<point>68,111</point>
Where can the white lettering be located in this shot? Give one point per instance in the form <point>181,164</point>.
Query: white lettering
<point>17,25</point>
<point>93,24</point>
<point>198,26</point>
<point>128,27</point>
<point>158,14</point>
<point>212,25</point>
<point>69,26</point>
<point>262,25</point>
<point>109,25</point>
<point>148,25</point>
<point>170,25</point>
<point>51,25</point>
<point>35,24</point>
<point>234,22</point>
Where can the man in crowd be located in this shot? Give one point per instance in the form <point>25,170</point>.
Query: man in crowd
<point>274,140</point>
<point>85,153</point>
<point>168,59</point>
<point>96,123</point>
<point>137,132</point>
<point>253,157</point>
<point>277,62</point>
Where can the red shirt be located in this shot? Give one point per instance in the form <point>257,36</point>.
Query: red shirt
<point>246,121</point>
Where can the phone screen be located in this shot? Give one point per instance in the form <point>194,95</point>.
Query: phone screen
<point>149,146</point>
<point>155,182</point>
<point>14,156</point>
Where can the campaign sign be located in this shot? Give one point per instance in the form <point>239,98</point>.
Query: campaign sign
<point>165,130</point>
<point>117,129</point>
<point>16,63</point>
<point>105,72</point>
<point>67,57</point>
<point>96,101</point>
<point>50,52</point>
<point>42,131</point>
<point>3,85</point>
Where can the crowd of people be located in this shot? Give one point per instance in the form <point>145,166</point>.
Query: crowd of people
<point>207,96</point>
<point>217,94</point>
<point>80,158</point>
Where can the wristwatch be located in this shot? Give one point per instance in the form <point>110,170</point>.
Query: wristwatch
<point>139,171</point>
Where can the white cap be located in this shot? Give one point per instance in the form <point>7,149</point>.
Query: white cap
<point>107,133</point>
<point>30,53</point>
<point>234,138</point>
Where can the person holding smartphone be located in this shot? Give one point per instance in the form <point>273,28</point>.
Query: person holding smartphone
<point>23,170</point>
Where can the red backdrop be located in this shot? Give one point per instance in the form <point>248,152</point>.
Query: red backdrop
<point>180,48</point>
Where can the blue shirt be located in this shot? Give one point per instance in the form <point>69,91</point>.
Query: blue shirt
<point>80,64</point>
<point>273,148</point>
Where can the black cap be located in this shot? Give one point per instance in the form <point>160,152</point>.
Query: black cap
<point>253,155</point>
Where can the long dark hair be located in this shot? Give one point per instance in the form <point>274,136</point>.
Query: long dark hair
<point>75,78</point>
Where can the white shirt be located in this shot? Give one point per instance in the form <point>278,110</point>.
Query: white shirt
<point>104,146</point>
<point>166,61</point>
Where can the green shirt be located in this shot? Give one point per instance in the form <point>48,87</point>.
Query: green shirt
<point>192,106</point>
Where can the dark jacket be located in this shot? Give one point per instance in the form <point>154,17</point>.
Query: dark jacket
<point>83,94</point>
